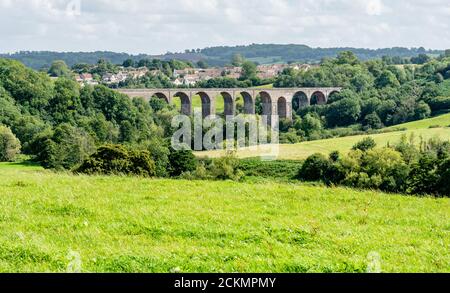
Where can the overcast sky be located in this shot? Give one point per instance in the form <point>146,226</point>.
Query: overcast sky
<point>158,26</point>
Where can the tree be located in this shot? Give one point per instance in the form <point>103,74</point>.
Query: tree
<point>366,144</point>
<point>362,82</point>
<point>343,112</point>
<point>59,68</point>
<point>249,71</point>
<point>444,171</point>
<point>439,78</point>
<point>311,124</point>
<point>447,53</point>
<point>386,79</point>
<point>202,64</point>
<point>422,111</point>
<point>386,169</point>
<point>66,148</point>
<point>66,103</point>
<point>157,104</point>
<point>160,154</point>
<point>347,57</point>
<point>237,60</point>
<point>424,175</point>
<point>9,145</point>
<point>372,121</point>
<point>129,63</point>
<point>420,59</point>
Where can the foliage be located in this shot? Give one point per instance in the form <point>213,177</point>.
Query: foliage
<point>222,55</point>
<point>59,68</point>
<point>181,161</point>
<point>9,145</point>
<point>407,168</point>
<point>314,168</point>
<point>64,148</point>
<point>226,168</point>
<point>115,159</point>
<point>366,144</point>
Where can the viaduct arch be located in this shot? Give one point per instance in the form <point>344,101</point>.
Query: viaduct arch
<point>280,101</point>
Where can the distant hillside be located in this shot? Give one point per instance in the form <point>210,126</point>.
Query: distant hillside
<point>263,54</point>
<point>287,53</point>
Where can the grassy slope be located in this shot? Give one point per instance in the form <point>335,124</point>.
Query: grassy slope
<point>442,121</point>
<point>137,225</point>
<point>344,144</point>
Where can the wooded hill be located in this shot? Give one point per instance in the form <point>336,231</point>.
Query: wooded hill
<point>215,56</point>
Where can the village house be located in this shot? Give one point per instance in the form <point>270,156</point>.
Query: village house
<point>136,73</point>
<point>270,71</point>
<point>232,72</point>
<point>85,79</point>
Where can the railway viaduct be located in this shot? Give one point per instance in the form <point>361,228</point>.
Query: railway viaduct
<point>279,101</point>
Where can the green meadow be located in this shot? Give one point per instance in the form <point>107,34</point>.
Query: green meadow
<point>58,222</point>
<point>437,127</point>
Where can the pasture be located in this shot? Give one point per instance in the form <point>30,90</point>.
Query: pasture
<point>54,222</point>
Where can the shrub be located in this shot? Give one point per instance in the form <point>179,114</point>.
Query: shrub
<point>200,173</point>
<point>439,103</point>
<point>442,185</point>
<point>424,177</point>
<point>388,167</point>
<point>372,121</point>
<point>160,154</point>
<point>9,145</point>
<point>366,144</point>
<point>65,148</point>
<point>115,159</point>
<point>181,162</point>
<point>314,168</point>
<point>226,168</point>
<point>142,164</point>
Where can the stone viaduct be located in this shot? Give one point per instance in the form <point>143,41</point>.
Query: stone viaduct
<point>279,101</point>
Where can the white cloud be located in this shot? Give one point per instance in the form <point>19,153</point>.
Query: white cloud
<point>173,25</point>
<point>374,7</point>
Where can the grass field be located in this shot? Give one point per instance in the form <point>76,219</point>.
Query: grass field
<point>441,121</point>
<point>344,144</point>
<point>58,222</point>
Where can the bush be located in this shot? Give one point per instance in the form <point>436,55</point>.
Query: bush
<point>181,162</point>
<point>439,103</point>
<point>366,144</point>
<point>160,154</point>
<point>9,145</point>
<point>65,148</point>
<point>442,185</point>
<point>424,177</point>
<point>226,168</point>
<point>314,168</point>
<point>372,121</point>
<point>200,173</point>
<point>115,159</point>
